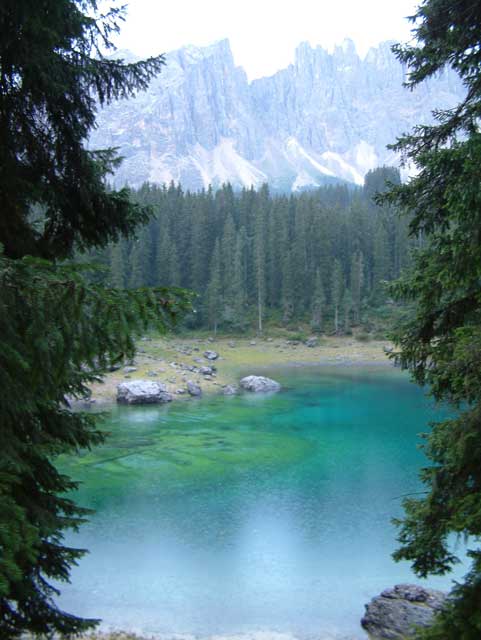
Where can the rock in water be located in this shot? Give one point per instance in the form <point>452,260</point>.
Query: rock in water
<point>395,614</point>
<point>193,389</point>
<point>142,392</point>
<point>259,384</point>
<point>230,390</point>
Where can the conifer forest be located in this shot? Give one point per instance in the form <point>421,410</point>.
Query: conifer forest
<point>322,257</point>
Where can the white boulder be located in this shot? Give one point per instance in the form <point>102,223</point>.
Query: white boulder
<point>142,392</point>
<point>259,384</point>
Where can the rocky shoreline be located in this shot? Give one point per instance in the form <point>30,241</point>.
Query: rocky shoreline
<point>183,369</point>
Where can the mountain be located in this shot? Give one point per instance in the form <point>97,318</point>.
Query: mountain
<point>327,117</point>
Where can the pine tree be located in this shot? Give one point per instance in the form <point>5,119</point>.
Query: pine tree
<point>228,251</point>
<point>164,262</point>
<point>174,267</point>
<point>357,281</point>
<point>380,268</point>
<point>317,305</point>
<point>213,295</point>
<point>238,284</point>
<point>441,342</point>
<point>117,274</point>
<point>337,285</point>
<point>347,306</point>
<point>260,255</point>
<point>58,330</point>
<point>138,260</point>
<point>287,289</point>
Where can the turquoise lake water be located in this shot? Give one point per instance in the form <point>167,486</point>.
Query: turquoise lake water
<point>251,513</point>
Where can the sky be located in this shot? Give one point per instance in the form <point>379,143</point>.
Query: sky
<point>263,33</point>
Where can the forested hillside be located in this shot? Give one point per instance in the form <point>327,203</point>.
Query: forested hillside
<point>320,257</point>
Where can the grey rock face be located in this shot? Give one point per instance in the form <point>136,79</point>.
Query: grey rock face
<point>142,392</point>
<point>193,389</point>
<point>259,384</point>
<point>328,116</point>
<point>396,613</point>
<point>312,342</point>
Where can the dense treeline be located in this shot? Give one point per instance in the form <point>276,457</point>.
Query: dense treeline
<point>321,256</point>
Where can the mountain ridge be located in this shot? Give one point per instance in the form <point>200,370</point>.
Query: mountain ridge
<point>325,117</point>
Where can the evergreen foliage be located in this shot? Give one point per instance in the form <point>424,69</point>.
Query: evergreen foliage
<point>59,330</point>
<point>250,256</point>
<point>441,344</point>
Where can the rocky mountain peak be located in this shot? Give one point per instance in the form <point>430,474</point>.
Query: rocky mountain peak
<point>326,117</point>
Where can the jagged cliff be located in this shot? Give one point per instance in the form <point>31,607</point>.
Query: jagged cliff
<point>326,117</point>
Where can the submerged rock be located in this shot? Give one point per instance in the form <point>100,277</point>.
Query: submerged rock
<point>259,384</point>
<point>230,390</point>
<point>395,614</point>
<point>142,392</point>
<point>193,389</point>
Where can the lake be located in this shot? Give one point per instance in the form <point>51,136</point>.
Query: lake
<point>251,513</point>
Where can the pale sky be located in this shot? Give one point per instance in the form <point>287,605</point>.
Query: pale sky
<point>263,33</point>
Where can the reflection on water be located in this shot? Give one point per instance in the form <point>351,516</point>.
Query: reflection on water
<point>238,514</point>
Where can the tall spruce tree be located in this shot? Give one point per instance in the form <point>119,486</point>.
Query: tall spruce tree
<point>357,281</point>
<point>259,249</point>
<point>441,344</point>
<point>288,288</point>
<point>57,331</point>
<point>317,304</point>
<point>337,287</point>
<point>347,308</point>
<point>238,284</point>
<point>213,295</point>
<point>116,265</point>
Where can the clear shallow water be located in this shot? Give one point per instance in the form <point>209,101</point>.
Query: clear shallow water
<point>230,515</point>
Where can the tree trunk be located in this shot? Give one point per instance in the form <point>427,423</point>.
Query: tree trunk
<point>259,307</point>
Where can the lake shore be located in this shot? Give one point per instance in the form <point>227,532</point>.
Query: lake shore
<point>168,360</point>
